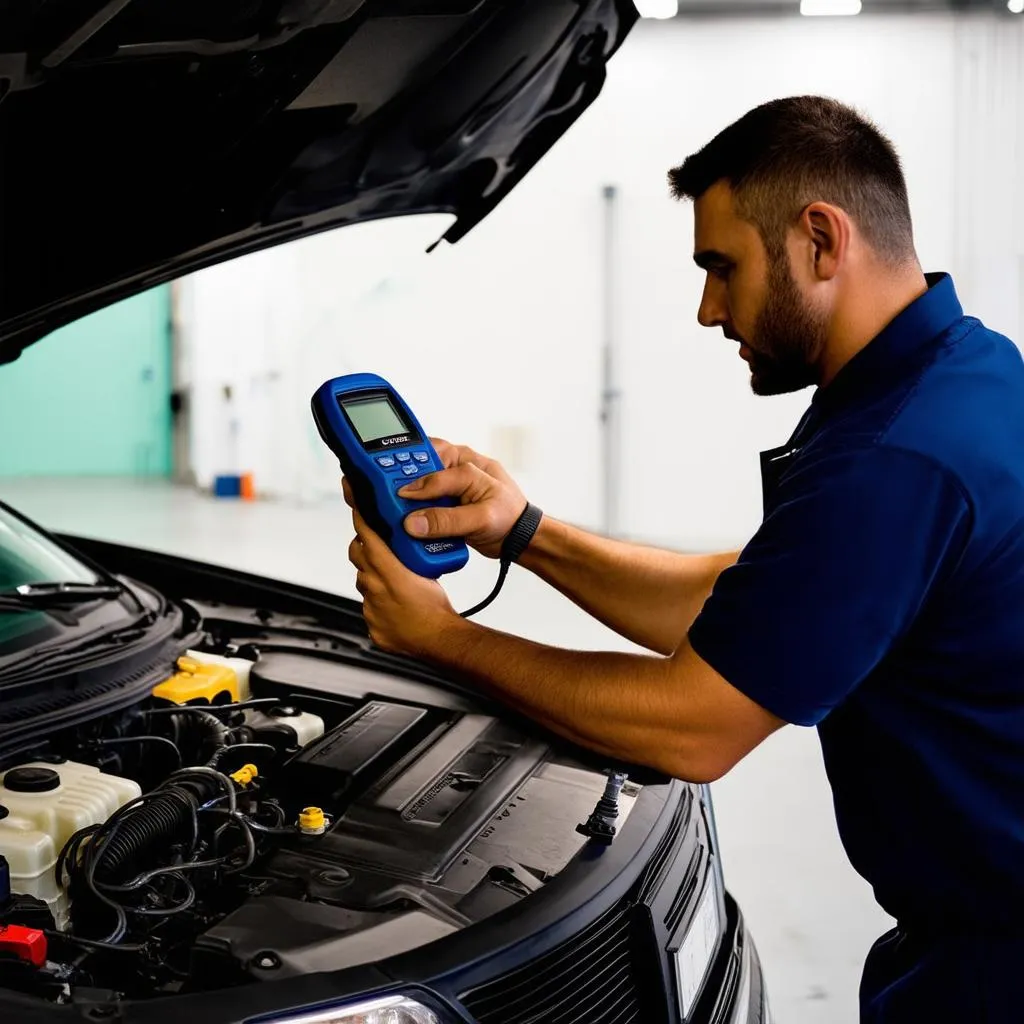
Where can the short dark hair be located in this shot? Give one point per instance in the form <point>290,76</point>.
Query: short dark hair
<point>790,152</point>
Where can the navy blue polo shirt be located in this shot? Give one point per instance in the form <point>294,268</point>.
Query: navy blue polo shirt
<point>882,599</point>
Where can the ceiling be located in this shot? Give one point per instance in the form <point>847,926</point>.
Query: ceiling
<point>689,8</point>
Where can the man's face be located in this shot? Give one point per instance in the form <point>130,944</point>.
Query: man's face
<point>754,298</point>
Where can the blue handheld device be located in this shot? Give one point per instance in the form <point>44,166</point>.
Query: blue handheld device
<point>382,447</point>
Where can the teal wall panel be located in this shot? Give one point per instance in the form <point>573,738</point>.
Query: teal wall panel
<point>92,399</point>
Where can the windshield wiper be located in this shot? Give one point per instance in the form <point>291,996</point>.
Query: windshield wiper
<point>33,596</point>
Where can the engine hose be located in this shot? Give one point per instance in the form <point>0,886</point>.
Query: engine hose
<point>149,828</point>
<point>206,732</point>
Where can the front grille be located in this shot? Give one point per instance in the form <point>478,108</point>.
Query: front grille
<point>654,874</point>
<point>727,991</point>
<point>732,975</point>
<point>596,977</point>
<point>687,888</point>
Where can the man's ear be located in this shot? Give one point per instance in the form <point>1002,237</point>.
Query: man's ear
<point>828,230</point>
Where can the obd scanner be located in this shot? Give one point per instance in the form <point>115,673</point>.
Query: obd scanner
<point>381,447</point>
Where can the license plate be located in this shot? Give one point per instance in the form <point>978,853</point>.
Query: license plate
<point>697,949</point>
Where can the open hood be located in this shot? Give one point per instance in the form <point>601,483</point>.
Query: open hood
<point>142,139</point>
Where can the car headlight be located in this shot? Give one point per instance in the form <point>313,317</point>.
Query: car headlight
<point>387,1010</point>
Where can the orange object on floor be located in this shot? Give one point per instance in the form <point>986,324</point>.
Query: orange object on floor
<point>248,488</point>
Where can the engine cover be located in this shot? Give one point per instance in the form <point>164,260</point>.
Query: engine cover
<point>344,762</point>
<point>429,799</point>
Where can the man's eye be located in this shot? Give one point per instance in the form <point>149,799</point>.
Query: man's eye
<point>722,272</point>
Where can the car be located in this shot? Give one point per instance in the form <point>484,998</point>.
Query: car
<point>219,801</point>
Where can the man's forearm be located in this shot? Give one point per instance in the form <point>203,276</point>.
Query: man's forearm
<point>645,594</point>
<point>626,706</point>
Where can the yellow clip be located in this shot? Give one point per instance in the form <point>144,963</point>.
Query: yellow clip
<point>196,680</point>
<point>245,774</point>
<point>312,821</point>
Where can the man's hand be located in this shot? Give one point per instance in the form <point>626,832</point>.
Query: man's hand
<point>405,613</point>
<point>490,501</point>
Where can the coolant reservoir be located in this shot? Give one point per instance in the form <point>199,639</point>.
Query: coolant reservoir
<point>46,805</point>
<point>240,666</point>
<point>306,726</point>
<point>206,677</point>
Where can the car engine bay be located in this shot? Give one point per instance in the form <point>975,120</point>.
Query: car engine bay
<point>271,809</point>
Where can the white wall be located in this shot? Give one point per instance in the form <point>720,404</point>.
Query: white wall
<point>496,341</point>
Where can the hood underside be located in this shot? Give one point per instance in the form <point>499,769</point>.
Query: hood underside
<point>142,139</point>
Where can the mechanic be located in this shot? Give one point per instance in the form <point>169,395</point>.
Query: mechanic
<point>882,598</point>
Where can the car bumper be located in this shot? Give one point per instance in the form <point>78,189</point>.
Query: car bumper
<point>745,1001</point>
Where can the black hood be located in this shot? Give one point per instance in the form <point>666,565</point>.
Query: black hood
<point>140,139</point>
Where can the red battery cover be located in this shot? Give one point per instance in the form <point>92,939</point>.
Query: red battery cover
<point>28,944</point>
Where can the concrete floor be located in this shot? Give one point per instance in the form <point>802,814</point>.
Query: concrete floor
<point>812,917</point>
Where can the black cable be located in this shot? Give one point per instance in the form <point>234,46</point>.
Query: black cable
<point>121,928</point>
<point>173,971</point>
<point>103,849</point>
<point>85,864</point>
<point>93,854</point>
<point>250,846</point>
<point>223,751</point>
<point>73,845</point>
<point>91,944</point>
<point>193,846</point>
<point>150,827</point>
<point>177,908</point>
<point>273,830</point>
<point>202,772</point>
<point>144,739</point>
<point>144,879</point>
<point>278,810</point>
<point>68,855</point>
<point>208,708</point>
<point>512,548</point>
<point>502,573</point>
<point>205,734</point>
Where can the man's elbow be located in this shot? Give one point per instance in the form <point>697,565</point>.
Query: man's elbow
<point>697,766</point>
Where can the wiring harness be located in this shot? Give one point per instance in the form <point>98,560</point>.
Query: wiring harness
<point>193,822</point>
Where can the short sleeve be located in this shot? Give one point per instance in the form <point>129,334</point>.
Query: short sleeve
<point>841,566</point>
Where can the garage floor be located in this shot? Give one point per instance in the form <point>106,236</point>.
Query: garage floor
<point>812,917</point>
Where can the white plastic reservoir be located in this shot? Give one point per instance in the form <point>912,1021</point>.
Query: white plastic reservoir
<point>46,805</point>
<point>307,726</point>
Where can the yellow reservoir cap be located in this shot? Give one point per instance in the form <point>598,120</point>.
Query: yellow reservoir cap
<point>245,774</point>
<point>312,820</point>
<point>195,681</point>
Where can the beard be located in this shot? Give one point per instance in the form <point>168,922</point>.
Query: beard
<point>788,337</point>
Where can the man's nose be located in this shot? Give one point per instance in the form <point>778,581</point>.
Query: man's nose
<point>713,310</point>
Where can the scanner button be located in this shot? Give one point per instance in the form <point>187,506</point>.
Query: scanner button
<point>403,456</point>
<point>387,461</point>
<point>421,456</point>
<point>410,470</point>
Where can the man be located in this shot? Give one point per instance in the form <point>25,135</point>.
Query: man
<point>882,598</point>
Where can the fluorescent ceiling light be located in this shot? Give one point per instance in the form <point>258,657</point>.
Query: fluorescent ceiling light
<point>1016,6</point>
<point>813,8</point>
<point>657,8</point>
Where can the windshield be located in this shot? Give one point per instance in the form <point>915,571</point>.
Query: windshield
<point>26,556</point>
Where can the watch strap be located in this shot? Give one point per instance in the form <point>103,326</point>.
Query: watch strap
<point>521,533</point>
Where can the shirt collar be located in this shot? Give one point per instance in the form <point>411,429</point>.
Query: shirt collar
<point>897,348</point>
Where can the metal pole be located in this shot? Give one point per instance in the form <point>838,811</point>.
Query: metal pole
<point>610,394</point>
